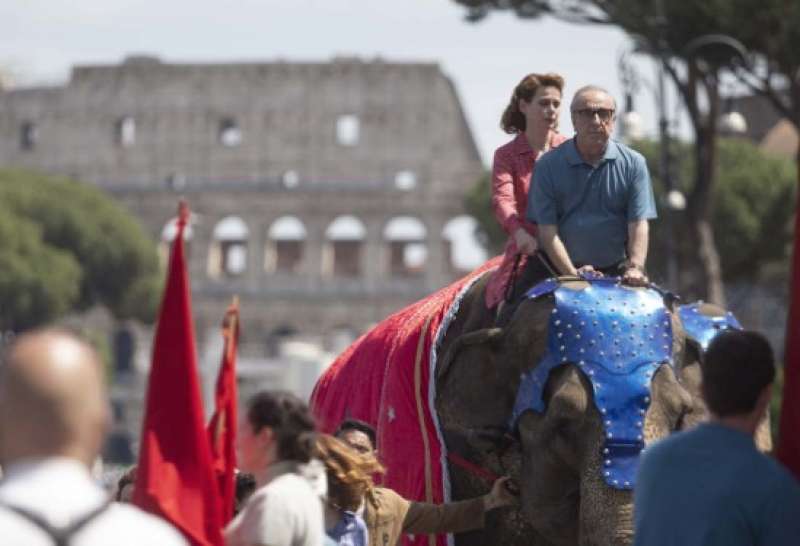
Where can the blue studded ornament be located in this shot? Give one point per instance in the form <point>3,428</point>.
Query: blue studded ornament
<point>618,337</point>
<point>703,328</point>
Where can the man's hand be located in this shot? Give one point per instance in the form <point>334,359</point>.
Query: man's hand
<point>589,271</point>
<point>634,276</point>
<point>526,243</point>
<point>500,495</point>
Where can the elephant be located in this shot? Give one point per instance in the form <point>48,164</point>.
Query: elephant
<point>556,456</point>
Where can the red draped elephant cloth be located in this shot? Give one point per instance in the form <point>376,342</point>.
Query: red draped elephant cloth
<point>385,378</point>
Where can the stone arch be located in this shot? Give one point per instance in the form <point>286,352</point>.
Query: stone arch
<point>461,248</point>
<point>344,247</point>
<point>125,132</point>
<point>168,233</point>
<point>229,133</point>
<point>348,130</point>
<point>228,253</point>
<point>286,242</point>
<point>405,238</point>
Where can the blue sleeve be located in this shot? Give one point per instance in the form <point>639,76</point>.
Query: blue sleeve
<point>642,493</point>
<point>645,498</point>
<point>541,200</point>
<point>641,202</point>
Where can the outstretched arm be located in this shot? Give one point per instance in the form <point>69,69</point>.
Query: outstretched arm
<point>555,249</point>
<point>638,238</point>
<point>641,207</point>
<point>460,516</point>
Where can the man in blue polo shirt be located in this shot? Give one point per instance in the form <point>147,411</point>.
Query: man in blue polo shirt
<point>592,197</point>
<point>710,486</point>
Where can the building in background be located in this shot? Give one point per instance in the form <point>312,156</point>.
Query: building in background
<point>326,195</point>
<point>773,134</point>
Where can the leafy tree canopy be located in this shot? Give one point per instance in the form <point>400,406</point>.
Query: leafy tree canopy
<point>752,213</point>
<point>66,246</point>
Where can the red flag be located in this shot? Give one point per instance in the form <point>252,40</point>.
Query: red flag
<point>788,451</point>
<point>222,427</point>
<point>175,478</point>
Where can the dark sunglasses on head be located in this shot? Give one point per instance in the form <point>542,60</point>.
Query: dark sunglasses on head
<point>605,114</point>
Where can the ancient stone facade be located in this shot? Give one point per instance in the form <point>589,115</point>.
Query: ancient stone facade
<point>323,193</point>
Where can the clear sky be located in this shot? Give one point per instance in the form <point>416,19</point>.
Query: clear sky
<point>41,39</point>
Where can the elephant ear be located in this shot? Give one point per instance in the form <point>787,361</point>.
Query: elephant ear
<point>475,388</point>
<point>491,336</point>
<point>556,432</point>
<point>688,370</point>
<point>674,405</point>
<point>688,355</point>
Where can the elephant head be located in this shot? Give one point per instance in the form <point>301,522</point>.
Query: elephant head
<point>564,494</point>
<point>559,458</point>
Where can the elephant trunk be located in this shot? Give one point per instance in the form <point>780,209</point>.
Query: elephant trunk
<point>606,514</point>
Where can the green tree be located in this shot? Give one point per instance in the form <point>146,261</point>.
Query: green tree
<point>66,246</point>
<point>754,205</point>
<point>477,203</point>
<point>772,32</point>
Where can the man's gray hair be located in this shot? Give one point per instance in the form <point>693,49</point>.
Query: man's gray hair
<point>591,89</point>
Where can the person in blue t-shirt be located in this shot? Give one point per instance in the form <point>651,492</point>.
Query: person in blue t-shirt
<point>592,198</point>
<point>710,486</point>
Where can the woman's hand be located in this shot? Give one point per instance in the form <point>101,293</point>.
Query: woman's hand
<point>502,494</point>
<point>526,243</point>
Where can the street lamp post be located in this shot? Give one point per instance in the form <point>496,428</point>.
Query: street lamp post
<point>665,162</point>
<point>716,50</point>
<point>632,129</point>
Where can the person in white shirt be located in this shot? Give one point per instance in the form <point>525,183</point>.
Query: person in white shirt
<point>276,444</point>
<point>53,419</point>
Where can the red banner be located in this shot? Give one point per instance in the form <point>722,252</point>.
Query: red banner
<point>222,426</point>
<point>175,478</point>
<point>788,451</point>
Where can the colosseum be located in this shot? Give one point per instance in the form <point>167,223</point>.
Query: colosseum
<point>326,195</point>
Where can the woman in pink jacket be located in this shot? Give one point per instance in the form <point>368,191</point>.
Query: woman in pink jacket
<point>532,114</point>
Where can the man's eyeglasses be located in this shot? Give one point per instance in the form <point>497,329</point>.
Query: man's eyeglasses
<point>587,114</point>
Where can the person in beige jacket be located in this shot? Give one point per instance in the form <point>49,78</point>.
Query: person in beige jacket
<point>388,515</point>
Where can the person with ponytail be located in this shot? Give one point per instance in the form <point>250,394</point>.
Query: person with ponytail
<point>388,515</point>
<point>276,444</point>
<point>532,116</point>
<point>349,479</point>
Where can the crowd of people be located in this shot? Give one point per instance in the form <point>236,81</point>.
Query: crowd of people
<point>577,206</point>
<point>297,487</point>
